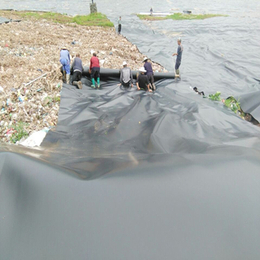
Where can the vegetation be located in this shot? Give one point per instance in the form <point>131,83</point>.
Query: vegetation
<point>49,100</point>
<point>215,97</point>
<point>182,16</point>
<point>151,17</point>
<point>94,19</point>
<point>229,102</point>
<point>179,16</point>
<point>234,105</point>
<point>19,132</point>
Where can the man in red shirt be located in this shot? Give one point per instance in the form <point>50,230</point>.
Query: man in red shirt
<point>95,70</point>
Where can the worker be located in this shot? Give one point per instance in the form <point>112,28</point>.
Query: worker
<point>178,59</point>
<point>149,72</point>
<point>119,25</point>
<point>142,81</point>
<point>94,70</point>
<point>65,62</point>
<point>77,70</point>
<point>126,76</point>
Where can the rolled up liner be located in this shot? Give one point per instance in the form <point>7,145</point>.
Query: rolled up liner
<point>113,73</point>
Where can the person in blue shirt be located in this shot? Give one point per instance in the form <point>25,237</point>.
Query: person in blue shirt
<point>178,59</point>
<point>65,62</point>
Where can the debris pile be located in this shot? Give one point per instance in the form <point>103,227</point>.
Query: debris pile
<point>30,77</point>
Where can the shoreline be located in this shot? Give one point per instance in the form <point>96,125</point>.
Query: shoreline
<point>30,48</point>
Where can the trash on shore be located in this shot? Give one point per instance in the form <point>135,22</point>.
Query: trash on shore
<point>31,80</point>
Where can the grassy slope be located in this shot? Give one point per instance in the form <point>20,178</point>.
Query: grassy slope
<point>95,19</point>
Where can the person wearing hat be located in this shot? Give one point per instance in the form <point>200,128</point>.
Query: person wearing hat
<point>77,70</point>
<point>142,80</point>
<point>126,76</point>
<point>179,56</point>
<point>65,62</point>
<point>149,72</point>
<point>94,70</point>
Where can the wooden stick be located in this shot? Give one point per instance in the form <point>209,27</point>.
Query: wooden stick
<point>26,84</point>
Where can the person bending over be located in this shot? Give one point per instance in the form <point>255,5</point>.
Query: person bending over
<point>77,70</point>
<point>142,80</point>
<point>126,76</point>
<point>65,62</point>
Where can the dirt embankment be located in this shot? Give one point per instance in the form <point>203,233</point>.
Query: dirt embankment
<point>29,50</point>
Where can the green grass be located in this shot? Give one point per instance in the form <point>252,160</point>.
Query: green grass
<point>49,100</point>
<point>19,132</point>
<point>215,97</point>
<point>180,16</point>
<point>94,19</point>
<point>150,17</point>
<point>234,105</point>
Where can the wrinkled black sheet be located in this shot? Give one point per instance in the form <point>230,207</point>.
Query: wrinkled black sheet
<point>251,104</point>
<point>171,174</point>
<point>134,175</point>
<point>181,207</point>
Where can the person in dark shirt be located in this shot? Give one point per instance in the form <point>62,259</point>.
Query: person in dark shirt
<point>178,59</point>
<point>94,70</point>
<point>149,72</point>
<point>77,70</point>
<point>142,80</point>
<point>119,25</point>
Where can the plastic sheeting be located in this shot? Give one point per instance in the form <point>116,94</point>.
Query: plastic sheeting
<point>4,20</point>
<point>115,74</point>
<point>135,175</point>
<point>171,174</point>
<point>251,104</point>
<point>198,207</point>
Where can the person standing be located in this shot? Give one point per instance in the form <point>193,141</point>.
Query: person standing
<point>151,11</point>
<point>178,59</point>
<point>77,69</point>
<point>149,72</point>
<point>126,76</point>
<point>65,62</point>
<point>119,22</point>
<point>142,80</point>
<point>94,70</point>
